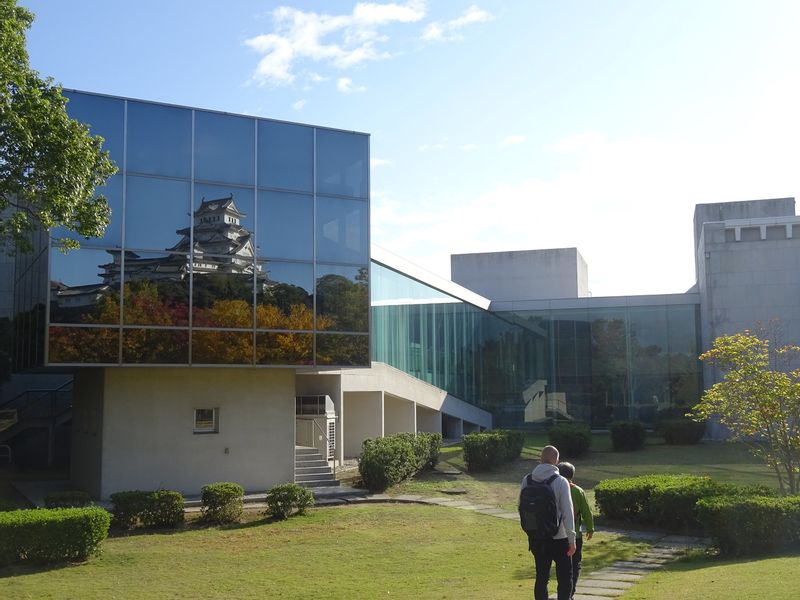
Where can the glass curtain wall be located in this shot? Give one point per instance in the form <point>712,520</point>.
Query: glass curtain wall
<point>233,241</point>
<point>473,354</point>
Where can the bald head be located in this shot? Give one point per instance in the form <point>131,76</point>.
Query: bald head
<point>549,455</point>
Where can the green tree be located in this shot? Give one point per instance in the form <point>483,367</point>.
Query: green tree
<point>49,164</point>
<point>757,401</point>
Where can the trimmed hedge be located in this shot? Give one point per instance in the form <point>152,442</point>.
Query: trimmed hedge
<point>741,525</point>
<point>387,461</point>
<point>223,502</point>
<point>571,439</point>
<point>68,499</point>
<point>52,535</point>
<point>682,431</point>
<point>288,498</point>
<point>160,508</point>
<point>627,435</point>
<point>483,451</point>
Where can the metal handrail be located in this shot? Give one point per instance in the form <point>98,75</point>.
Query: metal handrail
<point>327,444</point>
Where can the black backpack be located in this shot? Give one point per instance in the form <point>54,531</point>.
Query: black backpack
<point>538,513</point>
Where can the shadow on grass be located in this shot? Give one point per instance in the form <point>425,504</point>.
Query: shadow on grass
<point>703,559</point>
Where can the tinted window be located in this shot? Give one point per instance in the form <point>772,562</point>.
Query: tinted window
<point>85,286</point>
<point>285,225</point>
<point>222,347</point>
<point>342,230</point>
<point>113,234</point>
<point>159,140</point>
<point>224,219</point>
<point>342,163</point>
<point>285,156</point>
<point>83,345</point>
<point>345,350</point>
<point>342,298</point>
<point>285,296</point>
<point>155,346</point>
<point>156,289</point>
<point>157,214</point>
<point>224,148</point>
<point>104,116</point>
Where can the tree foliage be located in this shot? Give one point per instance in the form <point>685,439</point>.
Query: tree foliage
<point>49,164</point>
<point>758,401</point>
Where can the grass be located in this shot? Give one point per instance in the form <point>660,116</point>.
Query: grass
<point>722,461</point>
<point>367,551</point>
<point>701,577</point>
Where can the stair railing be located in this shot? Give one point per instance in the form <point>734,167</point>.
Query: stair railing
<point>328,445</point>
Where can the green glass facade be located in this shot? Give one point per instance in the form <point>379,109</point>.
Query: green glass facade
<point>528,367</point>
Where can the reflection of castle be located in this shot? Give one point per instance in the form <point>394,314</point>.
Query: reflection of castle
<point>221,245</point>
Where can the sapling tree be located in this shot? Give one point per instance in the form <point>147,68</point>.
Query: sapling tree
<point>758,400</point>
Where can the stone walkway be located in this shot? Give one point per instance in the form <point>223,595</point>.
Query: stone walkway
<point>603,584</point>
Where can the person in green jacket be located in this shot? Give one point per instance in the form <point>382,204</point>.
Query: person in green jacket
<point>583,516</point>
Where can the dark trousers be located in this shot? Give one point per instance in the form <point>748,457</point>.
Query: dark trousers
<point>576,563</point>
<point>545,553</point>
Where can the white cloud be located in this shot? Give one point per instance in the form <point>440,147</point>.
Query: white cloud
<point>450,31</point>
<point>316,78</point>
<point>467,147</point>
<point>577,143</point>
<point>513,140</point>
<point>298,106</point>
<point>379,162</point>
<point>345,86</point>
<point>427,147</point>
<point>341,41</point>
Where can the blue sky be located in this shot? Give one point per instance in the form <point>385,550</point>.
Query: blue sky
<point>496,125</point>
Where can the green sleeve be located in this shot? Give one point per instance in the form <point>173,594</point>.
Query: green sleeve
<point>586,512</point>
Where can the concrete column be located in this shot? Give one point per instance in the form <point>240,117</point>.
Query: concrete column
<point>428,420</point>
<point>364,420</point>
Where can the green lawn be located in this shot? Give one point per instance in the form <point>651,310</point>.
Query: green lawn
<point>703,578</point>
<point>366,551</point>
<point>722,461</point>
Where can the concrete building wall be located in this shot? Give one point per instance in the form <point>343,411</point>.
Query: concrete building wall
<point>87,430</point>
<point>428,421</point>
<point>326,384</point>
<point>148,420</point>
<point>400,415</point>
<point>364,420</point>
<point>523,275</point>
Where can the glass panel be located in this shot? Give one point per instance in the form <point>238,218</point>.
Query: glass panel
<point>342,163</point>
<point>83,345</point>
<point>685,371</point>
<point>224,220</point>
<point>285,296</point>
<point>285,156</point>
<point>222,347</point>
<point>159,140</point>
<point>104,116</point>
<point>84,287</point>
<point>342,230</point>
<point>285,225</point>
<point>157,214</point>
<point>343,350</point>
<point>611,399</point>
<point>284,348</point>
<point>222,299</point>
<point>113,235</point>
<point>342,298</point>
<point>649,368</point>
<point>155,346</point>
<point>156,289</point>
<point>224,148</point>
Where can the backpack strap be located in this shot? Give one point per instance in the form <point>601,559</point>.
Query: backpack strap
<point>529,479</point>
<point>552,479</point>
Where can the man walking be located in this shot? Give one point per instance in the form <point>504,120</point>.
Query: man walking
<point>560,547</point>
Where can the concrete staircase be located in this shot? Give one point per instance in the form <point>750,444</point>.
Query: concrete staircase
<point>311,470</point>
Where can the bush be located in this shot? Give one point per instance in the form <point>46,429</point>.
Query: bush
<point>682,431</point>
<point>386,461</point>
<point>627,435</point>
<point>52,535</point>
<point>161,508</point>
<point>628,498</point>
<point>571,439</point>
<point>490,449</point>
<point>68,499</point>
<point>433,445</point>
<point>285,499</point>
<point>741,525</point>
<point>222,502</point>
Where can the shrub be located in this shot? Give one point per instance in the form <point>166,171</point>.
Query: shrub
<point>222,502</point>
<point>571,439</point>
<point>52,535</point>
<point>682,431</point>
<point>386,461</point>
<point>741,525</point>
<point>7,505</point>
<point>161,508</point>
<point>490,449</point>
<point>627,435</point>
<point>68,499</point>
<point>285,499</point>
<point>433,445</point>
<point>628,498</point>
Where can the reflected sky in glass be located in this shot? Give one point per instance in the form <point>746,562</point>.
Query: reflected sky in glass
<point>285,156</point>
<point>285,225</point>
<point>342,163</point>
<point>156,209</point>
<point>113,234</point>
<point>224,148</point>
<point>342,230</point>
<point>104,116</point>
<point>159,140</point>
